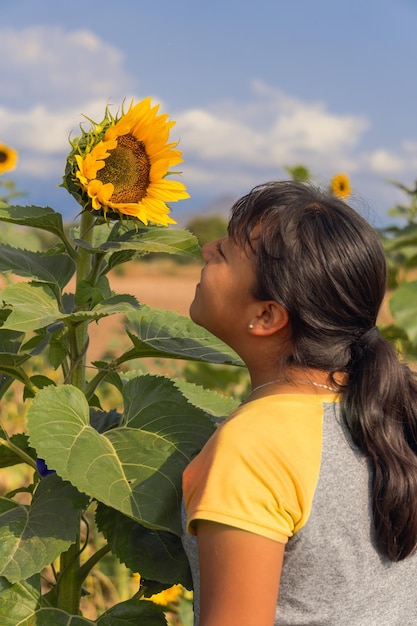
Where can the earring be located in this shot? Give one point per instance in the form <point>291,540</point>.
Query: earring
<point>250,326</point>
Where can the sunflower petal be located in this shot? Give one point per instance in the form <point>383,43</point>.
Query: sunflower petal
<point>168,191</point>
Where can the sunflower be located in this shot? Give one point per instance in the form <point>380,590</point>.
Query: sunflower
<point>8,158</point>
<point>340,186</point>
<point>167,596</point>
<point>120,167</point>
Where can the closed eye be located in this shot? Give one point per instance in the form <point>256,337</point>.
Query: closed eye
<point>219,249</point>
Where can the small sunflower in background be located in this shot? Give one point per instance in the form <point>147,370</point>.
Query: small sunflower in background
<point>8,158</point>
<point>340,186</point>
<point>168,596</point>
<point>119,168</point>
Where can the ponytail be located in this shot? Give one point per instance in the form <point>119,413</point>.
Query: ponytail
<point>379,408</point>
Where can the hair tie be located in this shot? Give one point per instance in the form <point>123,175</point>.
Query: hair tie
<point>369,335</point>
<point>360,345</point>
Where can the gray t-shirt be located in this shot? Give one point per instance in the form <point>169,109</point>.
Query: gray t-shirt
<point>332,573</point>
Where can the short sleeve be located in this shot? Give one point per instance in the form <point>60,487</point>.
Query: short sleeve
<point>258,472</point>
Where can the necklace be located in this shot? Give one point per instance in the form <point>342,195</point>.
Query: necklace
<point>303,380</point>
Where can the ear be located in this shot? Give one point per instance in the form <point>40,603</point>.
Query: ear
<point>269,318</point>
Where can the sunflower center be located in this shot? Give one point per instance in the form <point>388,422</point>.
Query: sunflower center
<point>128,168</point>
<point>3,156</point>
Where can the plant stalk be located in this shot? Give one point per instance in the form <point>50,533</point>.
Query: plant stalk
<point>69,583</point>
<point>83,268</point>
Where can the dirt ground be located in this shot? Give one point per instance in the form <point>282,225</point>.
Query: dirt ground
<point>160,284</point>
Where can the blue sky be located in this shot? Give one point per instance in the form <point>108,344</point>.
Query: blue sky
<point>253,87</point>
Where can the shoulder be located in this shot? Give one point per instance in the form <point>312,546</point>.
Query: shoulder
<point>279,419</point>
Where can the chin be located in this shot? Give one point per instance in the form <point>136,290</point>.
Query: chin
<point>196,317</point>
<point>192,312</point>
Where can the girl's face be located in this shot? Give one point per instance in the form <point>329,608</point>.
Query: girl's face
<point>224,303</point>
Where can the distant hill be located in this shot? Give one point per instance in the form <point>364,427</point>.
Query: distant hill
<point>219,206</point>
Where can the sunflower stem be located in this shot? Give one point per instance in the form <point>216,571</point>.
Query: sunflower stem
<point>69,584</point>
<point>84,262</point>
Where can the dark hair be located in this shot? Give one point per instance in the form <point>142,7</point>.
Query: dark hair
<point>325,264</point>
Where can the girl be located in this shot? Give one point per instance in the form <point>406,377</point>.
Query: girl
<point>309,489</point>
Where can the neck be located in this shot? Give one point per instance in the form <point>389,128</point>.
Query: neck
<point>295,379</point>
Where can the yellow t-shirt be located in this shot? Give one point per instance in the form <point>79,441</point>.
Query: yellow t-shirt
<point>259,470</point>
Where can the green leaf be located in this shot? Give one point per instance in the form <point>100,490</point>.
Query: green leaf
<point>403,306</point>
<point>206,399</point>
<point>19,601</point>
<point>10,341</point>
<point>133,612</point>
<point>86,292</point>
<point>34,306</point>
<point>56,617</point>
<point>10,344</point>
<point>58,349</point>
<point>34,216</point>
<point>185,613</point>
<point>118,258</point>
<point>104,420</point>
<point>120,303</point>
<point>56,269</point>
<point>7,456</point>
<point>147,240</point>
<point>399,338</point>
<point>298,173</point>
<point>397,240</point>
<point>39,381</point>
<point>9,361</point>
<point>156,554</point>
<point>10,370</point>
<point>32,537</point>
<point>136,468</point>
<point>155,332</point>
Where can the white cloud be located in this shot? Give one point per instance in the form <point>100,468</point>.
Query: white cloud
<point>400,162</point>
<point>383,162</point>
<point>49,79</point>
<point>48,64</point>
<point>212,136</point>
<point>235,145</point>
<point>41,135</point>
<point>271,131</point>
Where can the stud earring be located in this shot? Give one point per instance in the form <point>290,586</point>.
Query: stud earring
<point>250,326</point>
